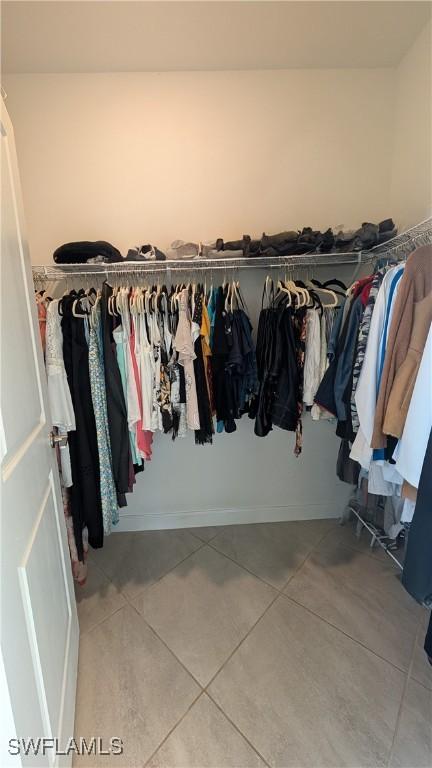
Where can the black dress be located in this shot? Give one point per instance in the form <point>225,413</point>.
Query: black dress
<point>85,491</point>
<point>116,406</point>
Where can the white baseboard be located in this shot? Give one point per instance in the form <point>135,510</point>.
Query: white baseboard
<point>200,518</point>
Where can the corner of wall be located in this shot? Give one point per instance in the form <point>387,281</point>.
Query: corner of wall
<point>411,178</point>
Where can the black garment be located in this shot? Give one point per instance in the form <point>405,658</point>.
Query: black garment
<point>347,469</point>
<point>116,406</point>
<point>144,253</point>
<point>79,253</point>
<point>222,342</point>
<point>284,370</point>
<point>85,492</point>
<point>325,396</point>
<point>233,364</point>
<point>266,339</point>
<point>278,370</point>
<point>428,641</point>
<point>417,572</point>
<point>234,245</point>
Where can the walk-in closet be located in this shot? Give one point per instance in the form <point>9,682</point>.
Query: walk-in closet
<point>216,384</point>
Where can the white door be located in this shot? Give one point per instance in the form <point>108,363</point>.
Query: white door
<point>39,625</point>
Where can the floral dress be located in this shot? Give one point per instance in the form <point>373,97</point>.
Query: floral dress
<point>97,383</point>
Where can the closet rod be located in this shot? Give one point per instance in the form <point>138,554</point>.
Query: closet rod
<point>59,271</point>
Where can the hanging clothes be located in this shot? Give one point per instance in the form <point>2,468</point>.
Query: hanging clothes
<point>184,346</point>
<point>368,383</point>
<point>313,363</point>
<point>417,572</point>
<point>280,360</point>
<point>411,448</point>
<point>85,490</point>
<point>205,433</point>
<point>63,419</point>
<point>362,340</point>
<point>97,384</point>
<point>116,405</point>
<point>59,396</point>
<point>407,336</point>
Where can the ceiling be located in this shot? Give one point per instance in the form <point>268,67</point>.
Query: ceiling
<point>123,36</point>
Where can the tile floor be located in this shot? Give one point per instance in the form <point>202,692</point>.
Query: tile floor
<point>282,644</point>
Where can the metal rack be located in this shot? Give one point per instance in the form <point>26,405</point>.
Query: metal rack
<point>376,536</point>
<point>119,269</point>
<point>398,247</point>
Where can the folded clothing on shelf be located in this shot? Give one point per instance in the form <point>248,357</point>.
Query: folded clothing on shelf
<point>287,243</point>
<point>85,250</point>
<point>308,240</point>
<point>146,252</point>
<point>182,249</point>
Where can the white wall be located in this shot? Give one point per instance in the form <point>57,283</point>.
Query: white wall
<point>145,157</point>
<point>411,188</point>
<point>151,157</point>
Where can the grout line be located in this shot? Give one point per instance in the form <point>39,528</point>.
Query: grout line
<point>162,576</point>
<point>173,729</point>
<point>241,641</point>
<point>278,594</point>
<point>405,687</point>
<point>264,581</point>
<point>153,631</point>
<point>428,684</point>
<point>210,539</point>
<point>300,566</point>
<point>243,567</point>
<point>206,693</point>
<point>386,563</point>
<point>165,573</point>
<point>98,623</point>
<point>342,631</point>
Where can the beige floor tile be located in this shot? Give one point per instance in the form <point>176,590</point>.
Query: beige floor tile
<point>421,669</point>
<point>97,599</point>
<point>273,551</point>
<point>346,534</point>
<point>135,560</point>
<point>203,608</point>
<point>129,686</point>
<point>413,743</point>
<point>361,596</point>
<point>205,739</point>
<point>306,695</point>
<point>206,533</point>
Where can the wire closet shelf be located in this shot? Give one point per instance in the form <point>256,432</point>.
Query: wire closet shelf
<point>397,248</point>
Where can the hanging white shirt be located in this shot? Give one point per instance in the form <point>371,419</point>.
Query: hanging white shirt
<point>59,396</point>
<point>411,448</point>
<point>366,392</point>
<point>312,360</point>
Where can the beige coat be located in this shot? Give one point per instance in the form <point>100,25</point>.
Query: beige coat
<point>412,317</point>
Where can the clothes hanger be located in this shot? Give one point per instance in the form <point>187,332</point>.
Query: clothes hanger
<point>281,289</point>
<point>78,314</point>
<point>227,297</point>
<point>291,286</point>
<point>234,295</point>
<point>333,281</point>
<point>327,292</point>
<point>301,287</point>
